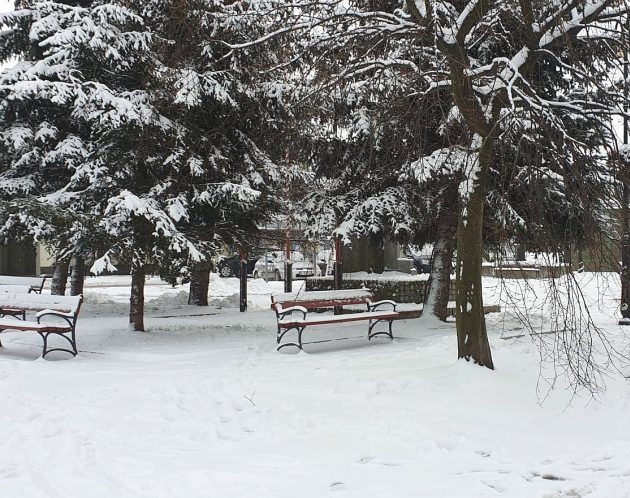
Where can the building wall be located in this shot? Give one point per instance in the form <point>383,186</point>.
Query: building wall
<point>45,260</point>
<point>18,259</point>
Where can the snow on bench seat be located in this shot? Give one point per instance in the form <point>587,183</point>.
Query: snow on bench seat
<point>15,289</point>
<point>321,299</point>
<point>38,302</point>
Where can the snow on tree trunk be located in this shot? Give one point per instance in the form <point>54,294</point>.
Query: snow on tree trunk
<point>472,336</point>
<point>136,307</point>
<point>439,285</point>
<point>199,283</point>
<point>78,277</point>
<point>60,278</point>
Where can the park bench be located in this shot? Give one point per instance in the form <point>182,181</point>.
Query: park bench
<point>296,311</point>
<point>63,309</point>
<point>36,284</point>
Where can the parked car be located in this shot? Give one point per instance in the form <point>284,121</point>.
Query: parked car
<point>231,266</point>
<point>421,264</point>
<point>271,266</point>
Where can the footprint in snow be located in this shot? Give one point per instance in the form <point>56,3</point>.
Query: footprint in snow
<point>337,486</point>
<point>552,477</point>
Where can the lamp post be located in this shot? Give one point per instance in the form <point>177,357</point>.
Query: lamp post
<point>625,207</point>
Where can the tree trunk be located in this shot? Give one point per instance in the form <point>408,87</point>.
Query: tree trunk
<point>472,336</point>
<point>77,278</point>
<point>136,307</point>
<point>60,278</point>
<point>439,285</point>
<point>520,252</point>
<point>199,283</point>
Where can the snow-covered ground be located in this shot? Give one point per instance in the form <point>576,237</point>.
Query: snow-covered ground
<point>203,406</point>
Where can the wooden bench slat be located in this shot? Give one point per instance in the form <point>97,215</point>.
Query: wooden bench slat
<point>13,324</point>
<point>350,317</point>
<point>321,295</point>
<point>333,303</point>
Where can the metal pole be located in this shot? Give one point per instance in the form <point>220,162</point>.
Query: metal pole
<point>338,266</point>
<point>288,266</point>
<point>625,208</point>
<point>243,281</point>
<point>338,271</point>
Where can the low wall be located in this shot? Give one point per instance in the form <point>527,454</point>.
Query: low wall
<point>398,287</point>
<point>525,271</point>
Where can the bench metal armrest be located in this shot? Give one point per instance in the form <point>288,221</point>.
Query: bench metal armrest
<point>68,317</point>
<point>292,309</point>
<point>372,306</point>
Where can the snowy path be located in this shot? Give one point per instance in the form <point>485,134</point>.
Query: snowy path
<point>204,406</point>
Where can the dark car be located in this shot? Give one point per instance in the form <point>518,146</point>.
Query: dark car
<point>231,266</point>
<point>421,264</point>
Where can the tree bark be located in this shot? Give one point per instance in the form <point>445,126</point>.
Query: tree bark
<point>60,278</point>
<point>199,283</point>
<point>136,302</point>
<point>472,336</point>
<point>439,285</point>
<point>77,278</point>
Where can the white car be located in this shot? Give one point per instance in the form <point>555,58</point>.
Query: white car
<point>271,266</point>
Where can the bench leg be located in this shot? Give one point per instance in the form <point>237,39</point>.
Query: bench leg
<point>70,339</point>
<point>282,333</point>
<point>388,333</point>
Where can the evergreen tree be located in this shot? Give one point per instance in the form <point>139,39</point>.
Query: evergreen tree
<point>165,163</point>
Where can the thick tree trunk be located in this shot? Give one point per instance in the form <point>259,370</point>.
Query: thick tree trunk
<point>77,278</point>
<point>472,336</point>
<point>136,303</point>
<point>199,283</point>
<point>439,285</point>
<point>60,278</point>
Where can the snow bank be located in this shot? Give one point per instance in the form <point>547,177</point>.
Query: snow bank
<point>203,406</point>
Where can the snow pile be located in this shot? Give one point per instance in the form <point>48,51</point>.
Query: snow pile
<point>170,299</point>
<point>259,287</point>
<point>222,287</point>
<point>98,298</point>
